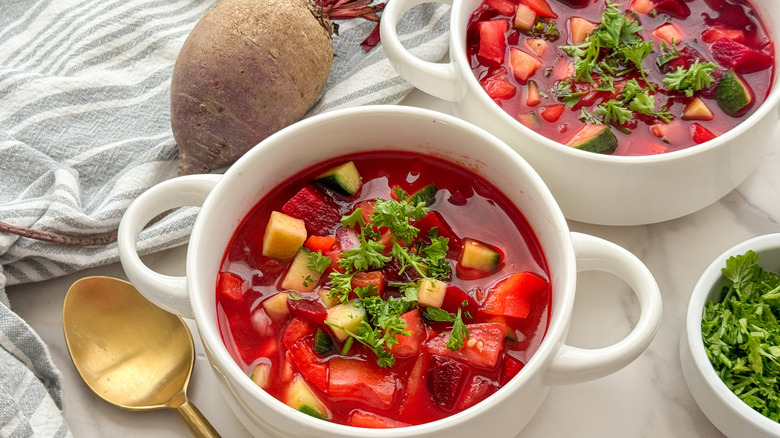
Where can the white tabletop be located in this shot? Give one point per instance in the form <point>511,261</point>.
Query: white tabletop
<point>648,398</point>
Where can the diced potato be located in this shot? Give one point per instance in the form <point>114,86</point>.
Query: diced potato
<point>537,45</point>
<point>430,292</point>
<point>525,17</point>
<point>276,306</point>
<point>302,398</point>
<point>327,301</point>
<point>300,276</point>
<point>260,374</point>
<point>580,29</point>
<point>283,236</point>
<point>642,6</point>
<point>347,315</point>
<point>696,109</point>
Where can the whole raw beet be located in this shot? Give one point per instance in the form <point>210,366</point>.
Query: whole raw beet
<point>247,69</point>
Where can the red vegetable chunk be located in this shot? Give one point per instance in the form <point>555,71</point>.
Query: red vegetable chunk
<point>716,32</point>
<point>741,58</point>
<point>504,7</point>
<point>309,365</point>
<point>675,8</point>
<point>513,295</point>
<point>701,134</point>
<point>295,331</point>
<point>358,380</point>
<point>308,310</point>
<point>320,243</point>
<point>541,7</point>
<point>445,380</point>
<point>231,285</point>
<point>492,43</point>
<point>318,211</point>
<point>410,345</point>
<point>455,297</point>
<point>484,345</point>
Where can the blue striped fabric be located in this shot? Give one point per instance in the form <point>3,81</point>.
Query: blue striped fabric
<point>85,128</point>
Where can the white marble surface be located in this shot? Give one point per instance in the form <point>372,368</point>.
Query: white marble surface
<point>648,398</point>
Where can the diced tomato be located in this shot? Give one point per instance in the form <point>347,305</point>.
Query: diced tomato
<point>492,43</point>
<point>446,377</point>
<point>296,330</point>
<point>552,113</point>
<point>417,399</point>
<point>512,366</point>
<point>541,7</point>
<point>356,379</point>
<point>504,7</point>
<point>308,310</point>
<point>701,134</point>
<point>364,279</point>
<point>320,243</point>
<point>513,295</point>
<point>309,365</point>
<point>366,209</point>
<point>523,64</point>
<point>482,349</point>
<point>497,85</point>
<point>361,418</point>
<point>717,31</point>
<point>318,211</point>
<point>410,345</point>
<point>230,285</point>
<point>563,69</point>
<point>741,58</point>
<point>455,297</point>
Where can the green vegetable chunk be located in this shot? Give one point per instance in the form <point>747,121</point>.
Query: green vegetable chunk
<point>344,179</point>
<point>741,333</point>
<point>594,138</point>
<point>734,95</point>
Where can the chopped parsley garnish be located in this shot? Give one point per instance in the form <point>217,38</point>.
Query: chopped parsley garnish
<point>318,262</point>
<point>390,225</point>
<point>459,332</point>
<point>697,77</point>
<point>741,333</point>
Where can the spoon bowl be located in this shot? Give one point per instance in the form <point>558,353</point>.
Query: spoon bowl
<point>130,352</point>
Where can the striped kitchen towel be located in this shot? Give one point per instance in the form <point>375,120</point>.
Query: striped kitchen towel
<point>85,128</point>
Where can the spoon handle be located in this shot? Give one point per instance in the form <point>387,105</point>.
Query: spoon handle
<point>196,422</point>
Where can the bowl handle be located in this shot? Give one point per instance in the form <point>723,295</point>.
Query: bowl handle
<point>435,78</point>
<point>574,364</point>
<point>165,291</point>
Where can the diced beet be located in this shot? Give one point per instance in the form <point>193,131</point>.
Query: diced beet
<point>716,74</point>
<point>230,285</point>
<point>347,239</point>
<point>318,211</point>
<point>718,31</point>
<point>477,390</point>
<point>688,55</point>
<point>739,57</point>
<point>512,366</point>
<point>308,310</point>
<point>445,380</point>
<point>674,8</point>
<point>576,4</point>
<point>492,43</point>
<point>392,269</point>
<point>454,298</point>
<point>434,220</point>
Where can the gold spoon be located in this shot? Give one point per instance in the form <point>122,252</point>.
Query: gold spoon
<point>130,352</point>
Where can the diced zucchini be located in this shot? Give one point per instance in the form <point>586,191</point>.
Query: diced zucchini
<point>323,344</point>
<point>347,315</point>
<point>299,396</point>
<point>283,236</point>
<point>430,292</point>
<point>344,179</point>
<point>734,95</point>
<point>580,29</point>
<point>477,255</point>
<point>326,299</point>
<point>594,138</point>
<point>426,194</point>
<point>696,109</point>
<point>300,276</point>
<point>260,374</point>
<point>530,120</point>
<point>276,306</point>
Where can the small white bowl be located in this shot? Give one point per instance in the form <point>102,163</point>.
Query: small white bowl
<point>724,409</point>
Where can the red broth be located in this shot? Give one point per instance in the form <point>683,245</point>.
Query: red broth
<point>428,379</point>
<point>727,33</point>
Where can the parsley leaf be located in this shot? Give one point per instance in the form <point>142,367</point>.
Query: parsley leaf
<point>741,333</point>
<point>459,332</point>
<point>613,112</point>
<point>318,261</point>
<point>697,77</point>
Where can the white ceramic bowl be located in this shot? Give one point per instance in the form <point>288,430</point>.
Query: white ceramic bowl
<point>590,187</point>
<point>227,199</point>
<point>726,411</point>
